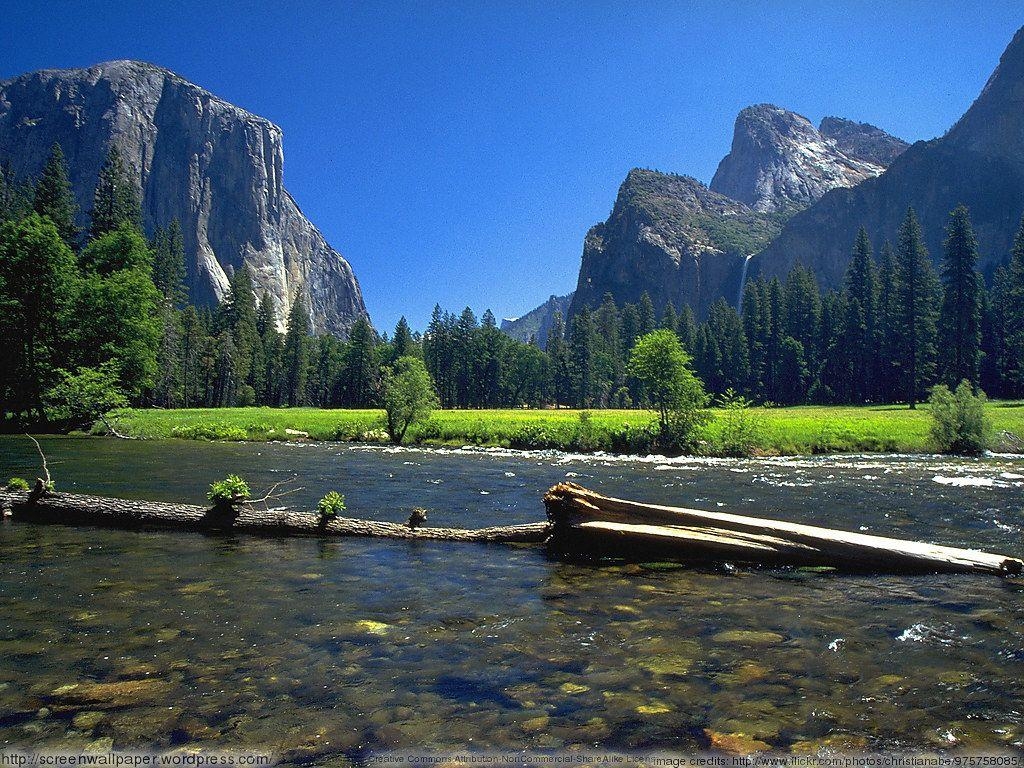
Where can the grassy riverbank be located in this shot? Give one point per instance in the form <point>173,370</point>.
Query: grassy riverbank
<point>786,431</point>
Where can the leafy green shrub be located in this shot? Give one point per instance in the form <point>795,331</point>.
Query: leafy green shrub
<point>17,484</point>
<point>741,432</point>
<point>231,490</point>
<point>959,424</point>
<point>210,431</point>
<point>331,504</point>
<point>78,399</point>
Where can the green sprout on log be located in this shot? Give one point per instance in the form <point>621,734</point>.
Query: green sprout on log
<point>17,484</point>
<point>331,504</point>
<point>231,490</point>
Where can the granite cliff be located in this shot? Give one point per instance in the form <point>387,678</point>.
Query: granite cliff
<point>779,162</point>
<point>674,238</point>
<point>197,158</point>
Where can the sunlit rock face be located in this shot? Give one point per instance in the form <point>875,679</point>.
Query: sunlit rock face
<point>779,162</point>
<point>196,158</point>
<point>673,238</point>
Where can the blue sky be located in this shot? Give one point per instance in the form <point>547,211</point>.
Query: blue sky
<point>457,152</point>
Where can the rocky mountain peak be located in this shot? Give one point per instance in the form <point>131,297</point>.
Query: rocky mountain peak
<point>215,167</point>
<point>862,141</point>
<point>779,162</point>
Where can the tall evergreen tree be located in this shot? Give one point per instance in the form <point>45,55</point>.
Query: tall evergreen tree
<point>860,335</point>
<point>362,368</point>
<point>686,329</point>
<point>1009,295</point>
<point>295,353</point>
<point>647,317</point>
<point>116,201</point>
<point>54,198</point>
<point>890,333</point>
<point>581,349</point>
<point>558,371</point>
<point>403,344</point>
<point>960,316</point>
<point>918,310</point>
<point>169,263</point>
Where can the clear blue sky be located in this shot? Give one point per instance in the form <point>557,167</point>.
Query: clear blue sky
<point>458,151</point>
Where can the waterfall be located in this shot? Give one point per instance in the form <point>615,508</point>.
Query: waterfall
<point>743,280</point>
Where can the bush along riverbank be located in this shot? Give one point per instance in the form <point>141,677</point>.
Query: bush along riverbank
<point>730,431</point>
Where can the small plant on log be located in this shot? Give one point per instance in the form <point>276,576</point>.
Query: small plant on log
<point>17,484</point>
<point>330,505</point>
<point>230,491</point>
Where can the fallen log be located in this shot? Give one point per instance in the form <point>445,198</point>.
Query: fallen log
<point>80,509</point>
<point>583,520</point>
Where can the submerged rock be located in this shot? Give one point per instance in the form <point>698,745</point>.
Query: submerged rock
<point>735,743</point>
<point>125,693</point>
<point>748,637</point>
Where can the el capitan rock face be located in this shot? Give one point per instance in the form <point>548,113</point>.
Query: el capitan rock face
<point>197,158</point>
<point>779,162</point>
<point>672,237</point>
<point>978,163</point>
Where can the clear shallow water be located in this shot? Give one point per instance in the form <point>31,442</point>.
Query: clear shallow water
<point>318,648</point>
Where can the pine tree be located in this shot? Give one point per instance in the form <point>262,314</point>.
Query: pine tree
<point>1011,308</point>
<point>295,354</point>
<point>860,336</point>
<point>890,331</point>
<point>54,198</point>
<point>686,329</point>
<point>169,263</point>
<point>608,367</point>
<point>918,310</point>
<point>116,201</point>
<point>560,387</point>
<point>669,318</point>
<point>402,344</point>
<point>581,348</point>
<point>362,368</point>
<point>647,316</point>
<point>960,317</point>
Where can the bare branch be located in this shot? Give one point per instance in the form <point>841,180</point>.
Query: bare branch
<point>46,468</point>
<point>114,432</point>
<point>271,495</point>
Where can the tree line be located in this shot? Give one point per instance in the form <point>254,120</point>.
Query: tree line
<point>105,314</point>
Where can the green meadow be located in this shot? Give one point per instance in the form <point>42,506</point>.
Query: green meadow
<point>774,431</point>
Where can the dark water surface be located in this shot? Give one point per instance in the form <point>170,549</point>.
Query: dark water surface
<point>322,648</point>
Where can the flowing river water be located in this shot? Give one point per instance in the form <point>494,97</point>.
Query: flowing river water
<point>320,649</point>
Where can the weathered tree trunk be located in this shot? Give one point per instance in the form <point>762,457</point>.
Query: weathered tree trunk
<point>583,520</point>
<point>79,509</point>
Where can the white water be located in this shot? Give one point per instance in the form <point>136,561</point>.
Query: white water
<point>743,281</point>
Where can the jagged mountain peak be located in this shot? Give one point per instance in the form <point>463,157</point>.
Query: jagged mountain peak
<point>862,141</point>
<point>779,162</point>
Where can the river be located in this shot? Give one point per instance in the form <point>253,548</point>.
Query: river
<point>319,649</point>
